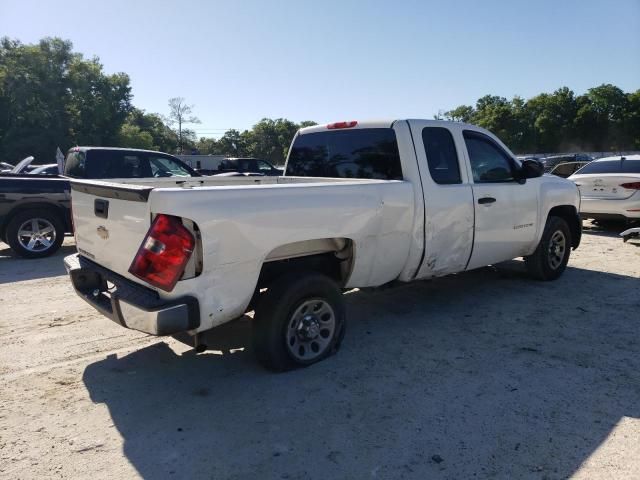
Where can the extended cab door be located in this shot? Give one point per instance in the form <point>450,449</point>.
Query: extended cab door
<point>506,210</point>
<point>448,199</point>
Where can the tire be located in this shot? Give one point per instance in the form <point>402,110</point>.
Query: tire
<point>49,236</point>
<point>550,259</point>
<point>300,320</point>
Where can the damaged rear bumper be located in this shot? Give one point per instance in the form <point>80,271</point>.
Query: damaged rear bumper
<point>129,304</point>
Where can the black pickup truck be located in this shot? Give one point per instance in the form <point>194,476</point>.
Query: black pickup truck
<point>35,210</point>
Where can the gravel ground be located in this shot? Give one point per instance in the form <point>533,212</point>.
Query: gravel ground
<point>481,375</point>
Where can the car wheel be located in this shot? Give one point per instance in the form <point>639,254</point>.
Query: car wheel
<point>299,321</point>
<point>550,259</point>
<point>35,233</point>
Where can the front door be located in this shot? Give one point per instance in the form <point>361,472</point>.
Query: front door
<point>506,210</point>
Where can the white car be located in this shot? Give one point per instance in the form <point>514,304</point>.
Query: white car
<point>610,188</point>
<point>361,204</point>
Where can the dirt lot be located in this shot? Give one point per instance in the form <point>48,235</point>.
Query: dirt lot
<point>481,375</point>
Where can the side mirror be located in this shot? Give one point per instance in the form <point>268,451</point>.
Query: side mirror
<point>532,169</point>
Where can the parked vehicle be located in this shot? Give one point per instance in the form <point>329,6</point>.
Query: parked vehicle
<point>203,163</point>
<point>567,169</point>
<point>551,162</point>
<point>49,169</point>
<point>362,204</point>
<point>610,188</point>
<point>34,213</point>
<point>218,164</point>
<point>249,165</point>
<point>35,209</point>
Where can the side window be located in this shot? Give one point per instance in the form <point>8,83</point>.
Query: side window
<point>442,157</point>
<point>132,167</point>
<point>114,164</point>
<point>166,167</point>
<point>263,166</point>
<point>489,163</point>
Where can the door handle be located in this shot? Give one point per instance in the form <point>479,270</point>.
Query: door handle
<point>485,200</point>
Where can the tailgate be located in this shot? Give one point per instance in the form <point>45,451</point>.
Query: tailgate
<point>110,222</point>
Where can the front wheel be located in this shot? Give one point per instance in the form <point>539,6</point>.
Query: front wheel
<point>550,259</point>
<point>299,321</point>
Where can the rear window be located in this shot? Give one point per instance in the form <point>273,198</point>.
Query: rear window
<point>361,153</point>
<point>611,166</point>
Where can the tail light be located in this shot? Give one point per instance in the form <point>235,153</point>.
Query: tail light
<point>164,253</point>
<point>631,186</point>
<point>334,126</point>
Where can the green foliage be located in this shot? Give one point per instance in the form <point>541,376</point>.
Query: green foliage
<point>605,118</point>
<point>51,96</point>
<point>163,138</point>
<point>268,139</point>
<point>133,137</point>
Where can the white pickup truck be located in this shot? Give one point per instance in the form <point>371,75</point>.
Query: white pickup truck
<point>361,204</point>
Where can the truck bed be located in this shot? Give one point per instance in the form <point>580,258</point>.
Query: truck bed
<point>245,221</point>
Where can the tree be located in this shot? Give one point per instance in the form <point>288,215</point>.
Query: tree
<point>463,113</point>
<point>131,136</point>
<point>632,120</point>
<point>604,118</point>
<point>600,118</point>
<point>180,113</point>
<point>552,116</point>
<point>164,139</point>
<point>52,97</point>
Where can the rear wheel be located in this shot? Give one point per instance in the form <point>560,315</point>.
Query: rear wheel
<point>550,259</point>
<point>299,321</point>
<point>35,233</point>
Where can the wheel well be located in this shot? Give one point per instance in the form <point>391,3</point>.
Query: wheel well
<point>331,257</point>
<point>59,211</point>
<point>570,215</point>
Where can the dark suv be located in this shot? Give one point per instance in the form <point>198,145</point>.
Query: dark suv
<point>35,210</point>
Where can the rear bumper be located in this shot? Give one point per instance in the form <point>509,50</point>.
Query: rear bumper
<point>129,304</point>
<point>598,208</point>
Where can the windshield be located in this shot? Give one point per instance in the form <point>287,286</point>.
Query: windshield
<point>611,166</point>
<point>360,153</point>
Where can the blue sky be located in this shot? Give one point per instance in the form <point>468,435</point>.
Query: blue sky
<point>239,61</point>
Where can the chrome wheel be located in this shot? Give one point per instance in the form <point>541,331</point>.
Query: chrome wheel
<point>310,329</point>
<point>36,235</point>
<point>557,249</point>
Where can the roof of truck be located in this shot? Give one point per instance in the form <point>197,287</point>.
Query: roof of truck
<point>376,123</point>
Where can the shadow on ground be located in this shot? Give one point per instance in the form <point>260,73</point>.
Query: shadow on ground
<point>610,229</point>
<point>512,379</point>
<point>14,268</point>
